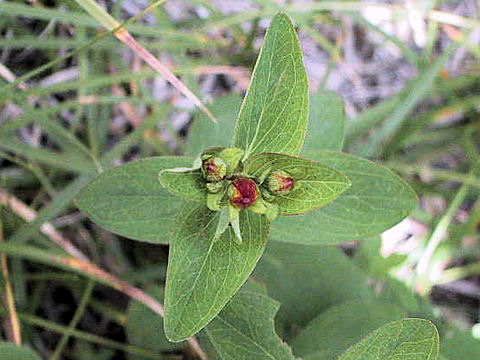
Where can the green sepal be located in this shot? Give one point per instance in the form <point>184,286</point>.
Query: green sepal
<point>214,201</point>
<point>315,185</point>
<point>186,183</point>
<point>234,215</point>
<point>223,223</point>
<point>263,207</point>
<point>232,157</point>
<point>215,186</point>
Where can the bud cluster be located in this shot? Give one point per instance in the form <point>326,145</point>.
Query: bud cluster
<point>227,185</point>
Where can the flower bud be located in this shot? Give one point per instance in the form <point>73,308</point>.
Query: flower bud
<point>243,192</point>
<point>279,182</point>
<point>214,168</point>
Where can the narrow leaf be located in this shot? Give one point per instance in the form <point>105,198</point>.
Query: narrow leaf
<point>124,36</point>
<point>185,183</point>
<point>327,120</point>
<point>129,200</point>
<point>204,273</point>
<point>245,330</point>
<point>409,339</point>
<point>274,113</point>
<point>315,184</point>
<point>377,200</point>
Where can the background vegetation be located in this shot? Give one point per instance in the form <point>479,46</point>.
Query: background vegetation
<point>76,101</point>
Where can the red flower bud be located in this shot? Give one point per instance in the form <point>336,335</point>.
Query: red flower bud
<point>280,182</point>
<point>243,192</point>
<point>214,168</point>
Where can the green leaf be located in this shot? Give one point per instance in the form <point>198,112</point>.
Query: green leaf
<point>326,125</point>
<point>408,339</point>
<point>461,346</point>
<point>328,277</point>
<point>185,183</point>
<point>244,329</point>
<point>203,273</point>
<point>142,320</point>
<point>274,113</point>
<point>315,184</point>
<point>204,133</point>
<point>10,351</point>
<point>347,323</point>
<point>377,200</point>
<point>129,200</point>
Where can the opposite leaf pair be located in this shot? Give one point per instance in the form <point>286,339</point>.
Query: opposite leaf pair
<point>267,183</point>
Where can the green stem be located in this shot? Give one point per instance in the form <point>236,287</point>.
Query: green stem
<point>441,230</point>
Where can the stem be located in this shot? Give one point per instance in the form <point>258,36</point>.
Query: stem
<point>441,230</point>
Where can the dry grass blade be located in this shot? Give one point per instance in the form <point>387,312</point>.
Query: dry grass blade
<point>80,263</point>
<point>124,36</point>
<point>14,332</point>
<point>28,214</point>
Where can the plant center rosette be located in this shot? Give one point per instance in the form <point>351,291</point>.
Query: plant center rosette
<point>266,183</point>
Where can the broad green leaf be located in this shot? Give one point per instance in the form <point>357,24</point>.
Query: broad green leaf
<point>408,339</point>
<point>274,113</point>
<point>318,275</point>
<point>204,133</point>
<point>326,125</point>
<point>461,346</point>
<point>244,329</point>
<point>142,321</point>
<point>315,185</point>
<point>343,325</point>
<point>377,200</point>
<point>203,273</point>
<point>187,184</point>
<point>10,351</point>
<point>129,200</point>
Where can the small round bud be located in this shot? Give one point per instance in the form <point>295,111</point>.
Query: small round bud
<point>243,192</point>
<point>279,182</point>
<point>214,168</point>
